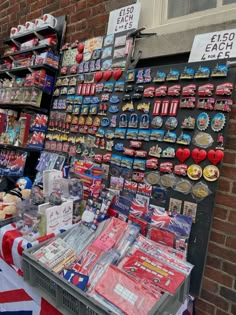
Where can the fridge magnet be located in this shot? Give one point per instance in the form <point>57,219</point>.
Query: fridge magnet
<point>144,107</point>
<point>144,121</point>
<point>120,41</point>
<point>206,103</point>
<point>96,122</point>
<point>219,71</point>
<point>136,96</point>
<point>144,134</point>
<point>168,180</point>
<point>108,87</point>
<point>96,54</point>
<point>174,107</point>
<point>189,90</point>
<point>202,139</point>
<point>174,90</point>
<point>173,75</point>
<point>105,122</point>
<point>138,176</point>
<point>113,123</point>
<point>133,121</point>
<point>139,76</point>
<point>194,172</point>
<point>188,123</point>
<point>135,144</point>
<point>116,159</point>
<point>166,167</point>
<point>149,91</point>
<point>99,88</point>
<point>147,75</point>
<point>126,162</point>
<point>183,186</point>
<point>159,77</point>
<point>202,73</point>
<point>165,107</point>
<point>171,123</point>
<point>206,89</point>
<point>156,108</point>
<point>161,91</point>
<point>168,152</point>
<point>187,74</point>
<point>128,151</point>
<point>119,53</point>
<point>220,142</point>
<point>152,163</point>
<point>170,137</point>
<point>123,121</point>
<point>113,109</point>
<point>175,206</point>
<point>106,64</point>
<point>202,121</point>
<point>132,134</point>
<point>157,122</point>
<point>180,169</point>
<point>224,89</point>
<point>157,135</point>
<point>218,122</point>
<point>117,73</point>
<point>215,157</point>
<point>116,183</point>
<point>126,97</point>
<point>190,210</point>
<point>159,194</point>
<point>182,154</point>
<point>120,133</point>
<point>211,173</point>
<point>155,151</point>
<point>119,86</point>
<point>107,52</point>
<point>187,102</point>
<point>139,164</point>
<point>128,107</point>
<point>119,146</point>
<point>198,155</point>
<point>152,178</point>
<point>223,105</point>
<point>108,40</point>
<point>130,76</point>
<point>129,88</point>
<point>200,191</point>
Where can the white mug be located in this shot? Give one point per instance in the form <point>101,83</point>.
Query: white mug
<point>13,32</point>
<point>21,29</point>
<point>50,20</point>
<point>29,26</point>
<point>38,23</point>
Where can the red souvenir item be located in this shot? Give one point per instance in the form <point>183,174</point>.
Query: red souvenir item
<point>128,151</point>
<point>117,74</point>
<point>198,155</point>
<point>166,167</point>
<point>174,90</point>
<point>152,272</point>
<point>206,89</point>
<point>174,107</point>
<point>183,154</point>
<point>180,169</point>
<point>138,221</point>
<point>130,296</point>
<point>161,236</point>
<point>80,47</point>
<point>156,108</point>
<point>165,108</point>
<point>98,76</point>
<point>189,90</point>
<point>93,89</point>
<point>149,91</point>
<point>107,74</point>
<point>215,156</point>
<point>79,58</point>
<point>161,90</point>
<point>224,89</point>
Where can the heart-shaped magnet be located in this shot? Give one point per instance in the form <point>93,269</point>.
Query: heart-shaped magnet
<point>79,58</point>
<point>98,76</point>
<point>183,154</point>
<point>198,155</point>
<point>80,47</point>
<point>107,75</point>
<point>117,74</point>
<point>215,156</point>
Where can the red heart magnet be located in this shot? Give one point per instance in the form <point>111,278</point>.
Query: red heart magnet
<point>80,47</point>
<point>198,155</point>
<point>79,58</point>
<point>215,156</point>
<point>98,76</point>
<point>183,154</point>
<point>107,75</point>
<point>117,74</point>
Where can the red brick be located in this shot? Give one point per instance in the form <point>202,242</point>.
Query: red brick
<point>234,188</point>
<point>209,285</point>
<point>218,276</point>
<point>230,157</point>
<point>82,4</point>
<point>220,312</point>
<point>233,309</point>
<point>232,126</point>
<point>231,242</point>
<point>224,184</point>
<point>81,25</point>
<point>65,3</point>
<point>229,268</point>
<point>214,262</point>
<point>230,143</point>
<point>34,15</point>
<point>228,171</point>
<point>226,227</point>
<point>98,20</point>
<point>91,3</point>
<point>199,312</point>
<point>217,237</point>
<point>204,306</point>
<point>222,252</point>
<point>220,213</point>
<point>101,30</point>
<point>85,14</point>
<point>214,299</point>
<point>225,200</point>
<point>98,9</point>
<point>232,215</point>
<point>52,7</point>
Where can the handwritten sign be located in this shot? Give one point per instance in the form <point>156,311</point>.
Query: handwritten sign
<point>124,19</point>
<point>212,46</point>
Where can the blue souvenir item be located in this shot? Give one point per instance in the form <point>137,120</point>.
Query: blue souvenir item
<point>100,133</point>
<point>187,74</point>
<point>159,194</point>
<point>98,65</point>
<point>95,100</point>
<point>114,99</point>
<point>119,86</point>
<point>106,64</point>
<point>108,87</point>
<point>76,110</point>
<point>144,135</point>
<point>133,121</point>
<point>139,77</point>
<point>123,121</point>
<point>130,76</point>
<point>157,135</point>
<point>139,164</point>
<point>170,137</point>
<point>202,72</point>
<point>93,109</point>
<point>86,66</point>
<point>157,122</point>
<point>119,146</point>
<point>184,139</point>
<point>132,134</point>
<point>171,123</point>
<point>81,67</point>
<point>127,162</point>
<point>219,71</point>
<point>168,152</point>
<point>218,122</point>
<point>92,65</point>
<point>113,123</point>
<point>116,159</point>
<point>105,122</point>
<point>147,75</point>
<point>87,100</point>
<point>96,54</point>
<point>202,121</point>
<point>109,134</point>
<point>84,109</point>
<point>173,75</point>
<point>75,278</point>
<point>159,77</point>
<point>113,109</point>
<point>144,121</point>
<point>78,100</point>
<point>24,183</point>
<point>99,87</point>
<point>120,133</point>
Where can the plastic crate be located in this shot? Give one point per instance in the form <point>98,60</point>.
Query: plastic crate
<point>6,221</point>
<point>69,300</point>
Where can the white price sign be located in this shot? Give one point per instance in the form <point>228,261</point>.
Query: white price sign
<point>124,19</point>
<point>212,46</point>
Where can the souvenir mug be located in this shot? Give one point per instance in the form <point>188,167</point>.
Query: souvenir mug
<point>29,26</point>
<point>50,20</point>
<point>13,32</point>
<point>21,29</point>
<point>38,23</point>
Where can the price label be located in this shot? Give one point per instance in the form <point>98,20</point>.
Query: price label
<point>213,46</point>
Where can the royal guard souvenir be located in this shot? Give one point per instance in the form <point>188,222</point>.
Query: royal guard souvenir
<point>156,108</point>
<point>170,137</point>
<point>123,121</point>
<point>147,75</point>
<point>184,139</point>
<point>168,152</point>
<point>189,90</point>
<point>215,157</point>
<point>224,89</point>
<point>128,107</point>
<point>171,123</point>
<point>149,91</point>
<point>206,89</point>
<point>188,123</point>
<point>157,135</point>
<point>165,107</point>
<point>144,107</point>
<point>187,74</point>
<point>223,105</point>
<point>140,76</point>
<point>152,163</point>
<point>211,173</point>
<point>174,90</point>
<point>180,169</point>
<point>187,102</point>
<point>202,73</point>
<point>166,167</point>
<point>159,77</point>
<point>157,122</point>
<point>155,151</point>
<point>198,155</point>
<point>161,91</point>
<point>219,71</point>
<point>218,122</point>
<point>202,121</point>
<point>133,121</point>
<point>194,172</point>
<point>173,75</point>
<point>174,107</point>
<point>206,103</point>
<point>144,121</point>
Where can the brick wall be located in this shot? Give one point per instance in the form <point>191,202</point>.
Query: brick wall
<point>87,18</point>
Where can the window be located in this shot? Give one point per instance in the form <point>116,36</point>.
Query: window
<point>229,1</point>
<point>178,8</point>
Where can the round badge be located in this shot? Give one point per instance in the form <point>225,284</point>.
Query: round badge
<point>194,172</point>
<point>171,123</point>
<point>105,122</point>
<point>157,122</point>
<point>218,122</point>
<point>152,178</point>
<point>211,173</point>
<point>202,121</point>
